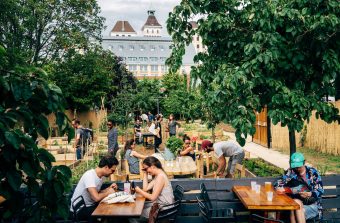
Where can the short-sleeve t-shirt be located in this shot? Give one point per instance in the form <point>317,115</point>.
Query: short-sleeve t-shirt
<point>89,179</point>
<point>137,127</point>
<point>81,133</point>
<point>227,149</point>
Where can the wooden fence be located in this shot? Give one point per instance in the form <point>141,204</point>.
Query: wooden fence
<point>320,136</point>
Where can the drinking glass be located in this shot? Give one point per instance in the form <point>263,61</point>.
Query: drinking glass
<point>268,186</point>
<point>258,188</point>
<point>269,195</point>
<point>253,185</point>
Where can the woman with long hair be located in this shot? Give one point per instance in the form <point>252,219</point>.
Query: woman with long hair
<point>172,125</point>
<point>132,156</point>
<point>160,185</point>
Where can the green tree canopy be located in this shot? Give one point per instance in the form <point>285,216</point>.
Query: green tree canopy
<point>36,32</point>
<point>280,54</point>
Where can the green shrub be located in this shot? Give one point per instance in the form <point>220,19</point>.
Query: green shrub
<point>174,144</point>
<point>262,169</point>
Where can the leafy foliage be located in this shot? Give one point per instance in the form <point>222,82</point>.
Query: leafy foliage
<point>26,99</point>
<point>280,54</point>
<point>148,90</point>
<point>37,32</point>
<point>174,144</point>
<point>262,169</point>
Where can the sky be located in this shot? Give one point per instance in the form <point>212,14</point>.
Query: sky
<point>135,11</point>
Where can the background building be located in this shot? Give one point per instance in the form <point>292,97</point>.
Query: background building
<point>145,55</point>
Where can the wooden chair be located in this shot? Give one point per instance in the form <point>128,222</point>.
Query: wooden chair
<point>259,219</point>
<point>131,175</point>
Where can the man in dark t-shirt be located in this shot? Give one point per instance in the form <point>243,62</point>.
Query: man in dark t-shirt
<point>138,131</point>
<point>79,145</point>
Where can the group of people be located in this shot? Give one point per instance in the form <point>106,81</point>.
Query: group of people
<point>158,190</point>
<point>90,184</point>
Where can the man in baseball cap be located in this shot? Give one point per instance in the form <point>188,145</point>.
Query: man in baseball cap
<point>222,150</point>
<point>306,187</point>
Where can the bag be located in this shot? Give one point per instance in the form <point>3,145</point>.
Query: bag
<point>153,213</point>
<point>87,136</point>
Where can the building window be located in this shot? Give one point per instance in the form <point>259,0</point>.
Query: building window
<point>198,46</point>
<point>153,59</point>
<point>198,38</point>
<point>132,59</point>
<point>142,48</point>
<point>152,48</point>
<point>163,59</point>
<point>161,48</point>
<point>132,67</point>
<point>154,68</point>
<point>193,38</point>
<point>131,47</point>
<point>144,68</point>
<point>120,47</point>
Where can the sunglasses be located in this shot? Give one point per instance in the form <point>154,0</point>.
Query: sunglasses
<point>109,124</point>
<point>187,143</point>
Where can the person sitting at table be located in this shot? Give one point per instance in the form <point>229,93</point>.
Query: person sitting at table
<point>225,149</point>
<point>187,150</point>
<point>132,156</point>
<point>160,185</point>
<point>303,183</point>
<point>138,131</point>
<point>90,184</point>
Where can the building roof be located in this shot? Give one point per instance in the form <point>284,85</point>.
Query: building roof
<point>151,21</point>
<point>123,27</point>
<point>141,47</point>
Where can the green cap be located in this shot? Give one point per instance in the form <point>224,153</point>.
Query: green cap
<point>297,160</point>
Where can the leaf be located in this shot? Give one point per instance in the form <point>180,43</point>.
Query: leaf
<point>66,171</point>
<point>12,139</point>
<point>14,179</point>
<point>43,126</point>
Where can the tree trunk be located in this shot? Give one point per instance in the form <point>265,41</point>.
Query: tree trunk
<point>213,136</point>
<point>292,142</point>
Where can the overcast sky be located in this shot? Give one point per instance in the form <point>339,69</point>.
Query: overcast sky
<point>135,11</point>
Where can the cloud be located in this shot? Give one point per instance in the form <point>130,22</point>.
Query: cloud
<point>135,11</point>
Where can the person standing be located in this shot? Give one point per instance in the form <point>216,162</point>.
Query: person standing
<point>158,132</point>
<point>89,186</point>
<point>138,131</point>
<point>305,187</point>
<point>225,149</point>
<point>150,117</point>
<point>79,138</point>
<point>172,125</point>
<point>112,137</point>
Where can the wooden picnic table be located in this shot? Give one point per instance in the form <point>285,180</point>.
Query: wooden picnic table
<point>120,209</point>
<point>253,201</point>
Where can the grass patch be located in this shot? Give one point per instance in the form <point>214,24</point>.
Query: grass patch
<point>323,162</point>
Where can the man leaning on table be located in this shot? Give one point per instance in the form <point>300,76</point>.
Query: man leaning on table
<point>225,149</point>
<point>303,183</point>
<point>90,184</point>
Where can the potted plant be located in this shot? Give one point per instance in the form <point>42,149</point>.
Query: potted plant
<point>173,145</point>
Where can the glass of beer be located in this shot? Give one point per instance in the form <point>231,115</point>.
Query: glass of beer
<point>268,186</point>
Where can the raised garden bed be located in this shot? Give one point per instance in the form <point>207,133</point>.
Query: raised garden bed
<point>261,168</point>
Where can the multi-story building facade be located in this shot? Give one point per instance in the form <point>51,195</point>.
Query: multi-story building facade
<point>145,55</point>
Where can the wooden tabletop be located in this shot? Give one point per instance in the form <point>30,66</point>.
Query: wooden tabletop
<point>181,166</point>
<point>253,201</point>
<point>2,199</point>
<point>120,209</point>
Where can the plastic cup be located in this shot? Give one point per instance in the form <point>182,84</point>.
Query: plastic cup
<point>127,188</point>
<point>253,185</point>
<point>269,195</point>
<point>258,188</point>
<point>268,186</point>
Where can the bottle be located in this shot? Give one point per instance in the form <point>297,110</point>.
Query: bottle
<point>132,189</point>
<point>127,185</point>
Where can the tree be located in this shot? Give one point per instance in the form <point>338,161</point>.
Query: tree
<point>86,77</point>
<point>280,54</point>
<point>148,90</point>
<point>36,32</point>
<point>26,99</point>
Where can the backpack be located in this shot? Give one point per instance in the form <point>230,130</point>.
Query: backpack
<point>87,136</point>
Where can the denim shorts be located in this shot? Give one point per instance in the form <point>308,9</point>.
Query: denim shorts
<point>311,211</point>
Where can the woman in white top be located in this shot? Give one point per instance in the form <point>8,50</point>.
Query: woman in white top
<point>160,185</point>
